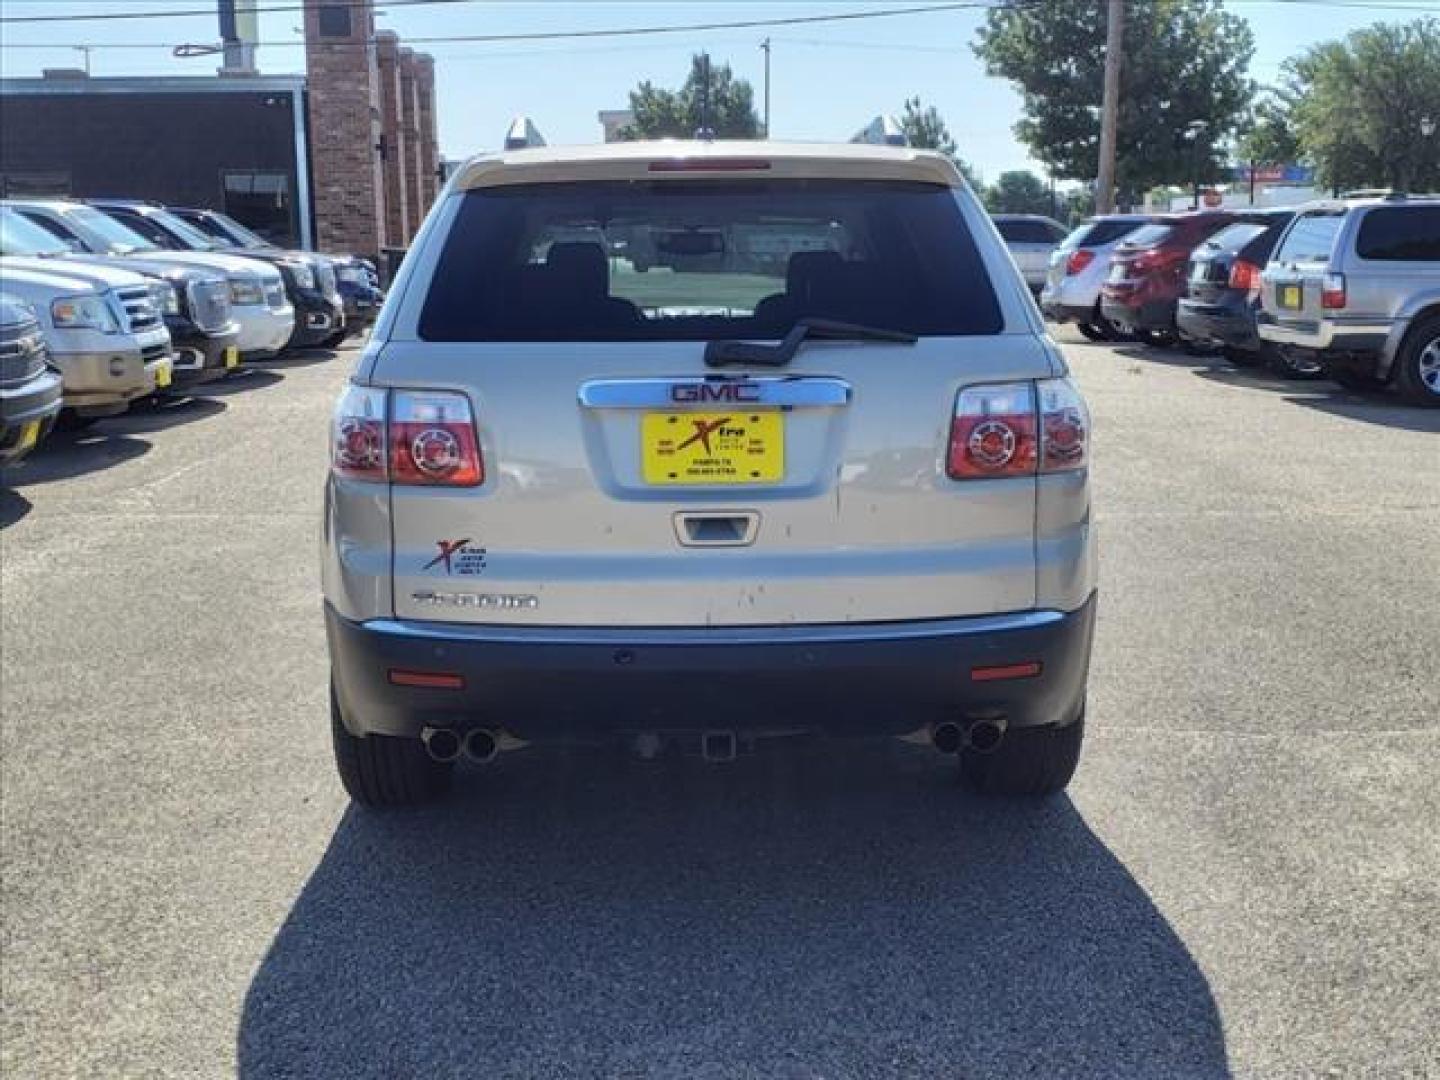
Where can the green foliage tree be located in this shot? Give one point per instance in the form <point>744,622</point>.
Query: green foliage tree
<point>925,129</point>
<point>1019,192</point>
<point>1185,60</point>
<point>1268,135</point>
<point>1360,106</point>
<point>679,114</point>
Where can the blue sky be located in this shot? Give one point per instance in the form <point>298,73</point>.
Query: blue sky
<point>826,79</point>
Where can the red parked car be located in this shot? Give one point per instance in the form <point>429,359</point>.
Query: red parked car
<point>1147,273</point>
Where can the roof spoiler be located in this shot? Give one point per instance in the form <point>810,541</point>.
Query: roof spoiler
<point>882,131</point>
<point>522,134</point>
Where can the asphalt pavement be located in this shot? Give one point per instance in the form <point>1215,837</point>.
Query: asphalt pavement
<point>1244,879</point>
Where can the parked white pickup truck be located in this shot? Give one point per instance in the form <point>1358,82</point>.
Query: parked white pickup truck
<point>104,331</point>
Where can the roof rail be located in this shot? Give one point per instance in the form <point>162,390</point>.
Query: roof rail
<point>882,131</point>
<point>522,134</point>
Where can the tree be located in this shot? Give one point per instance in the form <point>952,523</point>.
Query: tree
<point>680,114</point>
<point>925,129</point>
<point>1019,192</point>
<point>1185,61</point>
<point>1361,105</point>
<point>1268,135</point>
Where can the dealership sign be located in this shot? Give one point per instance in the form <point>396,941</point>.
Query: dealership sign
<point>1276,174</point>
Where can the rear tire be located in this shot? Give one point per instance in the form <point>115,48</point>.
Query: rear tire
<point>1029,761</point>
<point>1417,367</point>
<point>380,771</point>
<point>1092,333</point>
<point>334,341</point>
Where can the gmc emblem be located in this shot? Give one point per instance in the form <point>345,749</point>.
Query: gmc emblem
<point>696,393</point>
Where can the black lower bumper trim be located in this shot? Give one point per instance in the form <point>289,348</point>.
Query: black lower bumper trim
<point>882,679</point>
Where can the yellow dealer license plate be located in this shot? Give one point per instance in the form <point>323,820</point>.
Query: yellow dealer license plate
<point>713,447</point>
<point>163,375</point>
<point>1291,297</point>
<point>29,436</point>
<point>232,356</point>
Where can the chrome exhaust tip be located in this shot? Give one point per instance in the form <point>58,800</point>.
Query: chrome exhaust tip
<point>482,745</point>
<point>442,744</point>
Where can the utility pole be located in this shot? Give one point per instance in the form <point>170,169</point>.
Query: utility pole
<point>1110,108</point>
<point>705,132</point>
<point>765,45</point>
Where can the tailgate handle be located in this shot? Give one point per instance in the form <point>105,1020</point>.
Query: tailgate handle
<point>733,529</point>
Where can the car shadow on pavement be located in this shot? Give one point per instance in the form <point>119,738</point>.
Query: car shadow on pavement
<point>13,505</point>
<point>296,359</point>
<point>251,377</point>
<point>803,912</point>
<point>160,414</point>
<point>1383,408</point>
<point>69,453</point>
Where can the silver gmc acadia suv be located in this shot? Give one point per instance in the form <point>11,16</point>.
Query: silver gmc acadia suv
<point>712,495</point>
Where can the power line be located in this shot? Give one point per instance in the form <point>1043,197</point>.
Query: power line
<point>115,16</point>
<point>627,31</point>
<point>631,31</point>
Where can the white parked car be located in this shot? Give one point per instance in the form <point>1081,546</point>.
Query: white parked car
<point>1078,269</point>
<point>1032,239</point>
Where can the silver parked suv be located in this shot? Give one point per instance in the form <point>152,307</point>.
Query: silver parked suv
<point>847,494</point>
<point>1358,283</point>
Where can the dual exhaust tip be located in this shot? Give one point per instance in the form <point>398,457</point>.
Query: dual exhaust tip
<point>978,736</point>
<point>446,744</point>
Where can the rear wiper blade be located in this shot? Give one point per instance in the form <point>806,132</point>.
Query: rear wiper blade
<point>721,353</point>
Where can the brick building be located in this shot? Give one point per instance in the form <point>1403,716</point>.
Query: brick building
<point>344,158</point>
<point>374,151</point>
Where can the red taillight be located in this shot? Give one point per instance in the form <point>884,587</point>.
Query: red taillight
<point>994,432</point>
<point>1018,429</point>
<point>1332,291</point>
<point>1078,260</point>
<point>1244,276</point>
<point>429,438</point>
<point>357,444</point>
<point>432,440</point>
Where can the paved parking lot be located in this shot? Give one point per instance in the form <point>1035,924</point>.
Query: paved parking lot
<point>1245,879</point>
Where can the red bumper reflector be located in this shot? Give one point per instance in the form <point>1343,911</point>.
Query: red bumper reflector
<point>1006,671</point>
<point>430,680</point>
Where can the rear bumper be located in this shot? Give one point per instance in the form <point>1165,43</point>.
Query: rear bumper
<point>540,683</point>
<point>1066,313</point>
<point>1327,335</point>
<point>1143,315</point>
<point>1231,324</point>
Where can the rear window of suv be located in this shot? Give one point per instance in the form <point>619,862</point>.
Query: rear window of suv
<point>1028,231</point>
<point>1400,234</point>
<point>706,260</point>
<point>1311,238</point>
